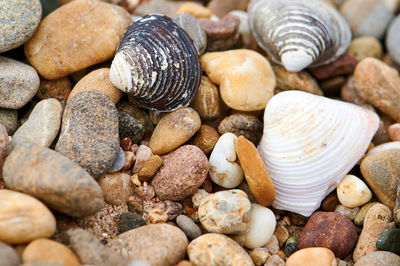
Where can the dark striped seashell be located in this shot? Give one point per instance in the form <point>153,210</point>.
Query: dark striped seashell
<point>156,64</point>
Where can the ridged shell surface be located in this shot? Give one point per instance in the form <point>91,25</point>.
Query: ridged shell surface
<point>299,33</point>
<point>156,64</point>
<point>309,144</point>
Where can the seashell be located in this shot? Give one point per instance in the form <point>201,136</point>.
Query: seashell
<point>309,144</point>
<point>156,64</point>
<point>299,33</point>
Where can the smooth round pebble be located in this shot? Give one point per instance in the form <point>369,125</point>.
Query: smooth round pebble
<point>353,192</point>
<point>384,147</point>
<point>191,229</point>
<point>317,256</point>
<point>23,218</point>
<point>9,256</point>
<point>379,258</point>
<point>393,39</point>
<point>149,168</point>
<point>365,46</point>
<point>389,240</point>
<point>203,252</point>
<point>394,132</point>
<point>143,153</point>
<point>205,138</point>
<point>225,212</point>
<point>116,187</point>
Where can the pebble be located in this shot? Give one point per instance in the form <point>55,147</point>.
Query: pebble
<point>389,240</point>
<point>174,129</point>
<point>391,145</point>
<point>202,251</point>
<point>19,83</point>
<point>393,39</point>
<point>350,93</point>
<point>90,122</point>
<point>221,34</point>
<point>194,9</point>
<point>381,136</point>
<point>302,81</point>
<point>282,233</point>
<point>379,84</point>
<point>350,213</point>
<point>259,256</point>
<point>182,173</point>
<point>225,212</point>
<point>368,17</point>
<point>394,132</point>
<point>221,7</point>
<point>379,258</point>
<point>224,170</point>
<point>191,229</point>
<point>130,127</point>
<point>245,125</point>
<point>378,218</point>
<point>80,23</point>
<point>116,187</point>
<point>396,209</point>
<point>365,46</point>
<point>143,154</point>
<point>272,245</point>
<point>330,202</point>
<point>205,138</point>
<point>52,178</point>
<point>58,89</point>
<point>50,251</point>
<point>380,171</point>
<point>149,168</point>
<point>207,102</point>
<point>275,260</point>
<point>23,218</point>
<point>261,227</point>
<point>157,244</point>
<point>331,73</point>
<point>129,221</point>
<point>42,125</point>
<point>316,256</point>
<point>98,79</point>
<point>91,251</point>
<point>255,172</point>
<point>290,246</point>
<point>5,146</point>
<point>9,119</point>
<point>353,192</point>
<point>330,230</point>
<point>9,256</point>
<point>20,19</point>
<point>167,8</point>
<point>359,219</point>
<point>136,114</point>
<point>192,27</point>
<point>245,78</point>
<point>119,161</point>
<point>246,39</point>
<point>145,191</point>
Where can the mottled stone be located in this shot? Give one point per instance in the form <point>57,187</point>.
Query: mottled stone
<point>130,127</point>
<point>58,89</point>
<point>205,138</point>
<point>145,191</point>
<point>246,125</point>
<point>89,132</point>
<point>393,39</point>
<point>98,79</point>
<point>379,258</point>
<point>379,84</point>
<point>149,168</point>
<point>281,233</point>
<point>316,256</point>
<point>23,218</point>
<point>330,230</point>
<point>137,114</point>
<point>46,250</point>
<point>116,187</point>
<point>191,229</point>
<point>380,171</point>
<point>9,256</point>
<point>42,125</point>
<point>91,251</point>
<point>359,219</point>
<point>182,173</point>
<point>365,46</point>
<point>19,82</point>
<point>157,244</point>
<point>9,119</point>
<point>290,246</point>
<point>203,252</point>
<point>18,21</point>
<point>207,102</point>
<point>259,256</point>
<point>225,212</point>
<point>378,218</point>
<point>52,178</point>
<point>95,28</point>
<point>129,221</point>
<point>192,27</point>
<point>389,240</point>
<point>350,213</point>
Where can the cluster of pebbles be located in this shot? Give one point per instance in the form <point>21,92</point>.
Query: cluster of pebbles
<point>155,132</point>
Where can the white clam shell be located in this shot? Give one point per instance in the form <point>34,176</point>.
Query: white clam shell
<point>299,33</point>
<point>309,144</point>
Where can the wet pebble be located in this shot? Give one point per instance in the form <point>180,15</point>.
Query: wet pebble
<point>191,229</point>
<point>246,125</point>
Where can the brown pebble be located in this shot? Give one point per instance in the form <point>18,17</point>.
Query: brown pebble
<point>205,138</point>
<point>330,202</point>
<point>129,160</point>
<point>342,66</point>
<point>149,168</point>
<point>125,144</point>
<point>281,233</point>
<point>116,187</point>
<point>394,132</point>
<point>239,124</point>
<point>58,89</point>
<point>207,100</point>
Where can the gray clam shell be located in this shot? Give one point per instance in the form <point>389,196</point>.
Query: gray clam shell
<point>299,33</point>
<point>156,64</point>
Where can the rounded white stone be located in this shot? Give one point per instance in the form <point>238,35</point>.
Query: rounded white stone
<point>353,192</point>
<point>384,147</point>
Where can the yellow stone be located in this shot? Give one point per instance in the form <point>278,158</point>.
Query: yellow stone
<point>312,257</point>
<point>194,9</point>
<point>149,168</point>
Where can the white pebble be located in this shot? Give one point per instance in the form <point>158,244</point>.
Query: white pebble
<point>384,147</point>
<point>143,153</point>
<point>353,192</point>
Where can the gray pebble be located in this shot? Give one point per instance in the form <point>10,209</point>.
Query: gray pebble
<point>191,229</point>
<point>8,255</point>
<point>9,119</point>
<point>393,39</point>
<point>192,27</point>
<point>347,212</point>
<point>118,162</point>
<point>129,221</point>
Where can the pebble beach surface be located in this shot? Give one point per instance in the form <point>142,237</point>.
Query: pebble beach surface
<point>163,132</point>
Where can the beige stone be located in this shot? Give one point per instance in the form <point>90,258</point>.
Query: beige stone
<point>207,102</point>
<point>353,192</point>
<point>245,77</point>
<point>312,257</point>
<point>116,187</point>
<point>394,132</point>
<point>365,46</point>
<point>98,80</point>
<point>75,36</point>
<point>360,216</point>
<point>194,9</point>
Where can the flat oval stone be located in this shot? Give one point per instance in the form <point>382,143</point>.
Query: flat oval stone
<point>54,179</point>
<point>42,125</point>
<point>18,21</point>
<point>202,251</point>
<point>9,256</point>
<point>75,36</point>
<point>23,218</point>
<point>381,258</point>
<point>89,132</point>
<point>157,244</point>
<point>19,82</point>
<point>389,240</point>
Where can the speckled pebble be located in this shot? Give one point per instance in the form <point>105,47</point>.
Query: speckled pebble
<point>136,114</point>
<point>246,125</point>
<point>116,187</point>
<point>129,221</point>
<point>359,219</point>
<point>9,119</point>
<point>205,138</point>
<point>347,212</point>
<point>58,89</point>
<point>379,258</point>
<point>130,127</point>
<point>191,229</point>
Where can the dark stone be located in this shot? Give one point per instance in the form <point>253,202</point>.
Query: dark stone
<point>290,246</point>
<point>129,221</point>
<point>129,127</point>
<point>246,125</point>
<point>389,240</point>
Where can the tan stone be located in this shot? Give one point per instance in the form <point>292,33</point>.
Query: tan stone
<point>360,216</point>
<point>174,129</point>
<point>255,172</point>
<point>281,233</point>
<point>378,218</point>
<point>205,138</point>
<point>394,132</point>
<point>149,168</point>
<point>58,88</point>
<point>46,250</point>
<point>75,36</point>
<point>365,46</point>
<point>245,77</point>
<point>207,102</point>
<point>312,257</point>
<point>194,9</point>
<point>330,202</point>
<point>259,256</point>
<point>23,218</point>
<point>98,80</point>
<point>116,187</point>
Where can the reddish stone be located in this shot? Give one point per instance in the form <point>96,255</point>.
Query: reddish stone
<point>344,65</point>
<point>125,144</point>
